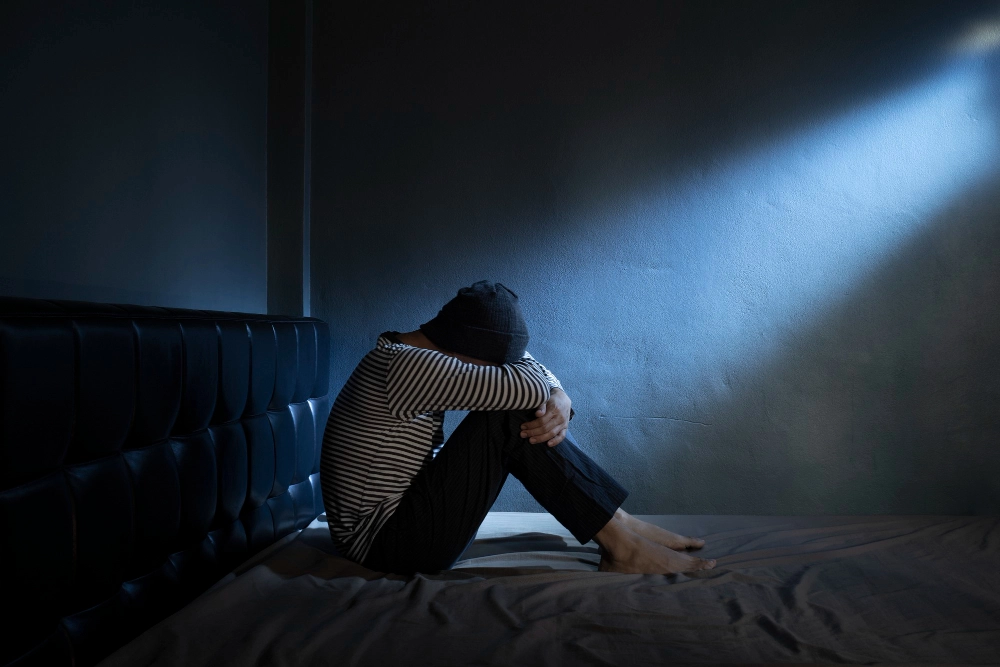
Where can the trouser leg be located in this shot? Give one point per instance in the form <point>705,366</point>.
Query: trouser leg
<point>439,514</point>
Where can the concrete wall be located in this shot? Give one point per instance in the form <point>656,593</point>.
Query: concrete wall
<point>133,144</point>
<point>758,242</point>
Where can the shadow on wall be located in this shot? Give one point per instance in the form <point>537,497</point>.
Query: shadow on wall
<point>587,160</point>
<point>505,128</point>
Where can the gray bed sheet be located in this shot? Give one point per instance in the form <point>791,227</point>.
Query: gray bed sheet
<point>861,589</point>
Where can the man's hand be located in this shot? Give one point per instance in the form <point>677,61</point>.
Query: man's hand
<point>552,422</point>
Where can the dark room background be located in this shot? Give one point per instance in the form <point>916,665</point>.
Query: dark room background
<point>133,151</point>
<point>759,242</point>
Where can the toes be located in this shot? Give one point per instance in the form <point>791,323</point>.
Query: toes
<point>695,543</point>
<point>701,564</point>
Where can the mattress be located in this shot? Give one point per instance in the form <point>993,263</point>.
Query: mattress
<point>871,589</point>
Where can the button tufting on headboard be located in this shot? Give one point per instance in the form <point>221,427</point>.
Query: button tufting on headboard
<point>144,453</point>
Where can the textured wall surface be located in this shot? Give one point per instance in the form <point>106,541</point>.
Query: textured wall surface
<point>133,149</point>
<point>758,242</point>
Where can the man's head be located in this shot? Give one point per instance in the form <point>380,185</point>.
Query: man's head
<point>483,321</point>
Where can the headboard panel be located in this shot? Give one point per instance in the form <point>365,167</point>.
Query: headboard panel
<point>144,453</point>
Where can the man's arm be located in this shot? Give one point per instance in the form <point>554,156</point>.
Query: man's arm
<point>553,416</point>
<point>549,377</point>
<point>421,379</point>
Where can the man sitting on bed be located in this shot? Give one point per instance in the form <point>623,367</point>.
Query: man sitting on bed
<point>399,499</point>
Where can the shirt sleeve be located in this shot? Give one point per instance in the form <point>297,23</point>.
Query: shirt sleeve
<point>419,380</point>
<point>551,379</point>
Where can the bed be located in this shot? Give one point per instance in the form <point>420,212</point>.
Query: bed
<point>862,589</point>
<point>160,505</point>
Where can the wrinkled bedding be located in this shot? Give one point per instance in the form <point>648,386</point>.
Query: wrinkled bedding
<point>872,589</point>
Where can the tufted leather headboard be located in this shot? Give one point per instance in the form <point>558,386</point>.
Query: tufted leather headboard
<point>144,453</point>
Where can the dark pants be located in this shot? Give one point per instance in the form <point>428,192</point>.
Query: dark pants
<point>441,511</point>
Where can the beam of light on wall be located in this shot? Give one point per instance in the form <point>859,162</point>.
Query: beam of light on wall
<point>981,37</point>
<point>753,251</point>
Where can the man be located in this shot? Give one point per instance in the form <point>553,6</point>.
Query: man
<point>400,499</point>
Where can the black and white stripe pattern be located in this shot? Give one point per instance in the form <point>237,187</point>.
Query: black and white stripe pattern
<point>388,419</point>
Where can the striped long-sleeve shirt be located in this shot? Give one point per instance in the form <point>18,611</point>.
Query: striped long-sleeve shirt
<point>388,419</point>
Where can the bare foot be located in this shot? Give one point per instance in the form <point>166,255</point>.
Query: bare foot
<point>637,555</point>
<point>659,535</point>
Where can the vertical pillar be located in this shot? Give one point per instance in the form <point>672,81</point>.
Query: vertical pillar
<point>286,156</point>
<point>307,166</point>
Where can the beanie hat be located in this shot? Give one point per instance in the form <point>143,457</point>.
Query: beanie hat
<point>483,321</point>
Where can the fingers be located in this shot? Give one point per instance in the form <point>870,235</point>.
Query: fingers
<point>551,436</point>
<point>547,436</point>
<point>556,440</point>
<point>546,429</point>
<point>550,427</point>
<point>541,425</point>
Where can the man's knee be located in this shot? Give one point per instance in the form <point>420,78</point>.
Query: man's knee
<point>505,422</point>
<point>495,416</point>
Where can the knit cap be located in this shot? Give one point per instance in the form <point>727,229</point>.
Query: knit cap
<point>483,321</point>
